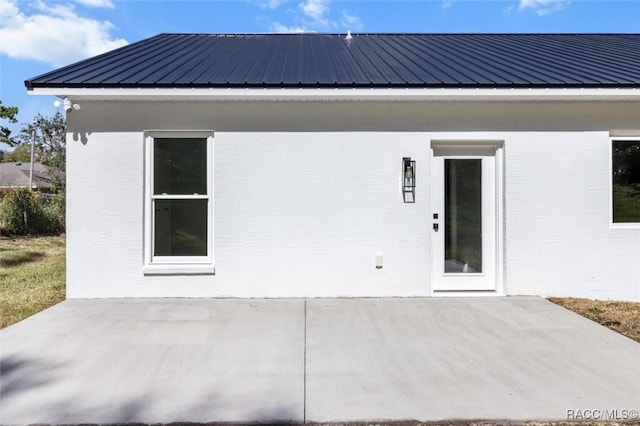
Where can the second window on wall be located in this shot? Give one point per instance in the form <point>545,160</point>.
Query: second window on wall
<point>626,181</point>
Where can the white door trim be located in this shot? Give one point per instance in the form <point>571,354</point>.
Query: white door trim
<point>473,148</point>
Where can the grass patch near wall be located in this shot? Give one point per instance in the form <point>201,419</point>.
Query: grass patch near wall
<point>32,276</point>
<point>621,317</point>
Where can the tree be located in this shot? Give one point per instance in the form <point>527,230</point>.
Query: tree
<point>9,114</point>
<point>50,140</point>
<point>48,135</point>
<point>21,154</point>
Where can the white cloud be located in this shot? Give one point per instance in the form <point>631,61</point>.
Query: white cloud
<point>270,4</point>
<point>54,34</point>
<point>277,27</point>
<point>312,16</point>
<point>351,22</point>
<point>446,4</point>
<point>8,10</point>
<point>317,10</point>
<point>97,3</point>
<point>543,7</point>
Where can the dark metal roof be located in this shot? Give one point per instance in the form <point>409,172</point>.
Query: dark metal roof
<point>366,60</point>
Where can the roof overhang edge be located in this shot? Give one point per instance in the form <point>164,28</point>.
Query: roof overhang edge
<point>342,94</point>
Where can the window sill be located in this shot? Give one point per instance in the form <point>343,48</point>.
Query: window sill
<point>184,269</point>
<point>625,225</point>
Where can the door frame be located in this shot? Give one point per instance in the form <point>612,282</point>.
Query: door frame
<point>473,147</point>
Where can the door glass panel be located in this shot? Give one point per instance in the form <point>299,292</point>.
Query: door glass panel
<point>463,215</point>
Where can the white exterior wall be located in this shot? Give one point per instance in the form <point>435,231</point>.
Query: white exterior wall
<point>307,194</point>
<point>560,241</point>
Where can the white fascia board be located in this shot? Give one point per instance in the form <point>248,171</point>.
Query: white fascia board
<point>344,94</point>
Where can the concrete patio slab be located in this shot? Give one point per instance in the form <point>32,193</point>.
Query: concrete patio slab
<point>516,358</point>
<point>317,360</point>
<point>122,361</point>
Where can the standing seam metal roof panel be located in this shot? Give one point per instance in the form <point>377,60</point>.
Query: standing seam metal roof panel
<point>500,59</point>
<point>602,53</point>
<point>426,56</point>
<point>523,65</point>
<point>482,69</point>
<point>595,64</point>
<point>108,66</point>
<point>170,67</point>
<point>565,70</point>
<point>405,60</point>
<point>503,56</point>
<point>419,60</point>
<point>461,72</point>
<point>366,60</point>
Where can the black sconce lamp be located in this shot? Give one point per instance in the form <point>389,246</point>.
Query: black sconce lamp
<point>408,180</point>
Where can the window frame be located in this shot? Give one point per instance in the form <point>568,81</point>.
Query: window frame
<point>612,224</point>
<point>175,265</point>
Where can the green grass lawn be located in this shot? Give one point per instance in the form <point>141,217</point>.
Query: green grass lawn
<point>621,317</point>
<point>32,276</point>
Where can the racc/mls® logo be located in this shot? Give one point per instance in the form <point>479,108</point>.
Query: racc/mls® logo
<point>603,414</point>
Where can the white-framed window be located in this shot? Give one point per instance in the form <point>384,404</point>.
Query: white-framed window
<point>625,181</point>
<point>178,202</point>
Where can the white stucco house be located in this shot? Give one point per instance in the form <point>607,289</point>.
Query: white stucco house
<point>325,165</point>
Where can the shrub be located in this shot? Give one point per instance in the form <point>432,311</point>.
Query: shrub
<point>25,212</point>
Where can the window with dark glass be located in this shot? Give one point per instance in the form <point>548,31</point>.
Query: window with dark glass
<point>626,181</point>
<point>180,197</point>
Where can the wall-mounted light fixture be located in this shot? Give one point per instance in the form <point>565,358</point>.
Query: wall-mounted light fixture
<point>408,180</point>
<point>68,105</point>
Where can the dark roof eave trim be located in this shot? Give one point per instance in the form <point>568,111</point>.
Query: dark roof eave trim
<point>31,85</point>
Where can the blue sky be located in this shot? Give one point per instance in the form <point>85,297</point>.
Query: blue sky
<point>40,35</point>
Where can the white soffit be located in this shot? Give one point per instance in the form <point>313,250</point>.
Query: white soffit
<point>342,94</point>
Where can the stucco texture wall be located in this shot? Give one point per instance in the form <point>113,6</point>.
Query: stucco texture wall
<point>307,194</point>
<point>560,241</point>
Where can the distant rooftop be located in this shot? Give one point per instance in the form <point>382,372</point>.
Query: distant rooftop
<point>16,175</point>
<point>365,60</point>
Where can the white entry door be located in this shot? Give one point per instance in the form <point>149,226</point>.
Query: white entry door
<point>464,218</point>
